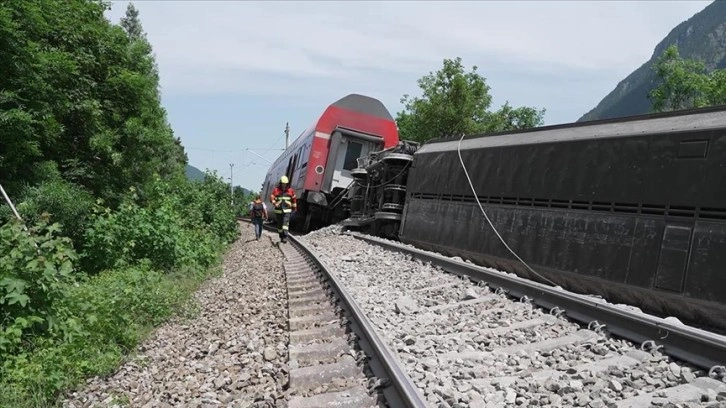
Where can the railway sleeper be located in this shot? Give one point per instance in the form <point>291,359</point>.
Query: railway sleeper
<point>681,393</point>
<point>626,361</point>
<point>324,365</point>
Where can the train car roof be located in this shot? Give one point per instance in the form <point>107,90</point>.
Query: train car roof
<point>363,104</point>
<point>352,102</point>
<point>657,123</point>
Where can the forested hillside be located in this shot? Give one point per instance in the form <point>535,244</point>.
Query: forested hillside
<point>112,237</point>
<point>702,38</point>
<point>193,173</point>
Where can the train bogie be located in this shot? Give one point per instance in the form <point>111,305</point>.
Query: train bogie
<point>377,197</point>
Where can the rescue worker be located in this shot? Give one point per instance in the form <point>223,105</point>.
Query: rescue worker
<point>258,213</point>
<point>284,202</point>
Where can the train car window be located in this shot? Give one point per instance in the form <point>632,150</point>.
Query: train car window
<point>351,154</point>
<point>289,165</point>
<point>304,155</point>
<point>293,167</point>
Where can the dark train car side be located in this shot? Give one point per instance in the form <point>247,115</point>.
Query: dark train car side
<point>632,209</point>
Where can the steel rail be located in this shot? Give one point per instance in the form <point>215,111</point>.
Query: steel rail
<point>398,388</point>
<point>699,347</point>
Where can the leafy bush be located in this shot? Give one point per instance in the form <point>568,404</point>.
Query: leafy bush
<point>65,203</point>
<point>110,313</point>
<point>60,326</point>
<point>202,204</point>
<point>82,119</point>
<point>36,268</point>
<point>134,234</point>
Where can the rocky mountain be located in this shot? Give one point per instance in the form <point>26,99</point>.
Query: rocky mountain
<point>702,36</point>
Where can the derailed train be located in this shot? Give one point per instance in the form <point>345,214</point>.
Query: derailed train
<point>631,209</point>
<point>320,161</point>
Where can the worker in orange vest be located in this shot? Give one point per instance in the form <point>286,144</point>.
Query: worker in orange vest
<point>284,202</point>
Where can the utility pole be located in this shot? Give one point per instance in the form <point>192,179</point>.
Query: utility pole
<point>231,184</point>
<point>287,133</point>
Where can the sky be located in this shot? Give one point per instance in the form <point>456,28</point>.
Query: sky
<point>233,73</point>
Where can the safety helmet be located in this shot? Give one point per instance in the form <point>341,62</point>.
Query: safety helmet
<point>284,180</point>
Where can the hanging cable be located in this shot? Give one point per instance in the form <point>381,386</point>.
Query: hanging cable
<point>17,215</point>
<point>10,203</point>
<point>476,197</point>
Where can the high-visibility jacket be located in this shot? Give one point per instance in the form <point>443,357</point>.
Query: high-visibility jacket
<point>284,201</point>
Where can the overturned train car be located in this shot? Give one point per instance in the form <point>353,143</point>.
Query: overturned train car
<point>632,209</point>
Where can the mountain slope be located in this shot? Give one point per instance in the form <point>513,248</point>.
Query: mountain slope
<point>194,173</point>
<point>702,36</point>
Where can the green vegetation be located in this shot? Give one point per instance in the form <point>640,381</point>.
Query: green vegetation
<point>114,238</point>
<point>242,198</point>
<point>685,83</point>
<point>701,37</point>
<point>455,102</point>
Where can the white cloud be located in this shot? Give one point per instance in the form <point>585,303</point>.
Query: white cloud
<point>294,48</point>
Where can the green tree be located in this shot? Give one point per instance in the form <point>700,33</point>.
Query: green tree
<point>81,92</point>
<point>716,90</point>
<point>80,111</point>
<point>686,83</point>
<point>86,153</point>
<point>508,118</point>
<point>456,102</point>
<point>241,201</point>
<point>132,24</point>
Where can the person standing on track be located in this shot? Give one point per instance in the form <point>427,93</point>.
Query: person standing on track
<point>285,203</point>
<point>258,213</point>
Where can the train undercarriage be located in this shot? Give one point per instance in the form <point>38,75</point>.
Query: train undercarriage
<point>372,203</point>
<point>377,196</point>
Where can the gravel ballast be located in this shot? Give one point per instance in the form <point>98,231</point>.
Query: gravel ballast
<point>464,345</point>
<point>234,353</point>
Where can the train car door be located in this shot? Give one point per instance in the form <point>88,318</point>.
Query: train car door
<point>348,153</point>
<point>345,147</point>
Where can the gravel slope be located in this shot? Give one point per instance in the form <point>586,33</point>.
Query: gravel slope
<point>234,353</point>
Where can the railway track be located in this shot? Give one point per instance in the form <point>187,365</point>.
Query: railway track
<point>481,338</point>
<point>336,359</point>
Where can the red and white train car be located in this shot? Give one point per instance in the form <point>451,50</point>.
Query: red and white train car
<point>318,163</point>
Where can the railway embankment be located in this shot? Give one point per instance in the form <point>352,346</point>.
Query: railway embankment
<point>232,352</point>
